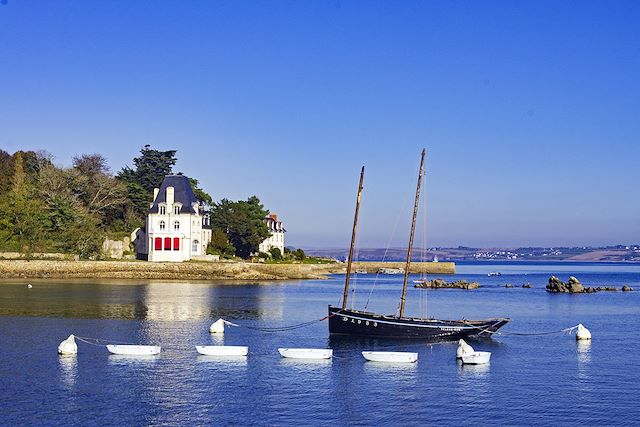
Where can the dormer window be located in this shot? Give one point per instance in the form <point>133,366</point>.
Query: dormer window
<point>162,210</point>
<point>176,225</point>
<point>176,209</point>
<point>162,225</point>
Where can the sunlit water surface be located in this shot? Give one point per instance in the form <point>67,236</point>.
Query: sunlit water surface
<point>547,379</point>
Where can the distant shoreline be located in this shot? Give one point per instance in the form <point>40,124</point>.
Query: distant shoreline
<point>54,269</point>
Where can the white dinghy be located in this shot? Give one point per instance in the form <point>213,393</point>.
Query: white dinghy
<point>134,350</point>
<point>390,356</point>
<point>306,353</point>
<point>476,358</point>
<point>222,350</point>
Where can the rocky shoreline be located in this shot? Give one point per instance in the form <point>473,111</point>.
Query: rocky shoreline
<point>57,269</point>
<point>443,284</point>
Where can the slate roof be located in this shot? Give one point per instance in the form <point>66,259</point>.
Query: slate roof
<point>182,193</point>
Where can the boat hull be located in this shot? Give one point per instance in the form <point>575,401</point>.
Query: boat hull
<point>390,356</point>
<point>362,323</point>
<point>306,353</point>
<point>134,350</point>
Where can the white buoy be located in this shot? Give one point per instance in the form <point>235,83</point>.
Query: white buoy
<point>68,346</point>
<point>463,349</point>
<point>583,333</point>
<point>217,327</point>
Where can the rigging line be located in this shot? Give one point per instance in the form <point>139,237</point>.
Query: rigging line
<point>407,194</point>
<point>357,247</point>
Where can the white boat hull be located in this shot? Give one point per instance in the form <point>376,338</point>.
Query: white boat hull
<point>390,356</point>
<point>134,350</point>
<point>306,353</point>
<point>222,350</point>
<point>476,358</point>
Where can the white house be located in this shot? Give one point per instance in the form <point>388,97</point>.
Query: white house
<point>177,228</point>
<point>276,240</point>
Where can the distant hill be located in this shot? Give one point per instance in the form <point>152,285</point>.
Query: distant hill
<point>619,253</point>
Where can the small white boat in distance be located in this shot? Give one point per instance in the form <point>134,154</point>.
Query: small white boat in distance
<point>306,353</point>
<point>476,358</point>
<point>134,350</point>
<point>390,356</point>
<point>222,350</point>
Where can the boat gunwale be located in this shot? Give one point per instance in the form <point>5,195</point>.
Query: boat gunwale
<point>389,317</point>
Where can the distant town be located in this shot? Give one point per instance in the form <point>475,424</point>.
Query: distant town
<point>617,253</point>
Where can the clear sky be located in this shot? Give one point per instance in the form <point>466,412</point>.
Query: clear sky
<point>530,111</point>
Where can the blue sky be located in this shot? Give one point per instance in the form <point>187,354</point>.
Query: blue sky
<point>530,111</point>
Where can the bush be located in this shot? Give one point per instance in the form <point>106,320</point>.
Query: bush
<point>275,254</point>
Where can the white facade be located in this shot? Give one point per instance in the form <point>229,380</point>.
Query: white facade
<point>276,240</point>
<point>176,227</point>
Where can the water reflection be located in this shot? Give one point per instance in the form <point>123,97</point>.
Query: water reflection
<point>391,369</point>
<point>466,371</point>
<point>223,361</point>
<point>150,300</point>
<point>131,360</point>
<point>584,351</point>
<point>305,364</point>
<point>68,369</point>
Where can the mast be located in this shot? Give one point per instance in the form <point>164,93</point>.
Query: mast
<point>353,241</point>
<point>413,229</point>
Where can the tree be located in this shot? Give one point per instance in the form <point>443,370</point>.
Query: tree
<point>150,169</point>
<point>21,213</point>
<point>96,187</point>
<point>220,244</point>
<point>242,222</point>
<point>203,197</point>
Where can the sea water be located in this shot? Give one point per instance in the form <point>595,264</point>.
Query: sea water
<point>531,380</point>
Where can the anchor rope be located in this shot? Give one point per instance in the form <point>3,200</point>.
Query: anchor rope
<point>99,342</point>
<point>529,334</point>
<point>279,328</point>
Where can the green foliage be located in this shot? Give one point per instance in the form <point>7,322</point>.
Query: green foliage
<point>220,245</point>
<point>298,254</point>
<point>276,255</point>
<point>150,169</point>
<point>242,222</point>
<point>203,198</point>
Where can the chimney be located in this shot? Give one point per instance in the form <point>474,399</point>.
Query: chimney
<point>170,197</point>
<point>155,193</point>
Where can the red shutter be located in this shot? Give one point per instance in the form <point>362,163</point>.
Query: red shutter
<point>167,243</point>
<point>176,243</point>
<point>158,244</point>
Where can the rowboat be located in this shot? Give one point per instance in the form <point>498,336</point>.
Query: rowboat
<point>134,350</point>
<point>306,353</point>
<point>222,350</point>
<point>390,356</point>
<point>476,358</point>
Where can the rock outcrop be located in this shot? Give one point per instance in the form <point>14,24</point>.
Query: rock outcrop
<point>443,284</point>
<point>627,288</point>
<point>573,286</point>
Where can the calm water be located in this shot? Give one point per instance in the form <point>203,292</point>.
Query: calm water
<point>531,380</point>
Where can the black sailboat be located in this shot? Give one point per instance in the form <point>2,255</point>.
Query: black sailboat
<point>345,321</point>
